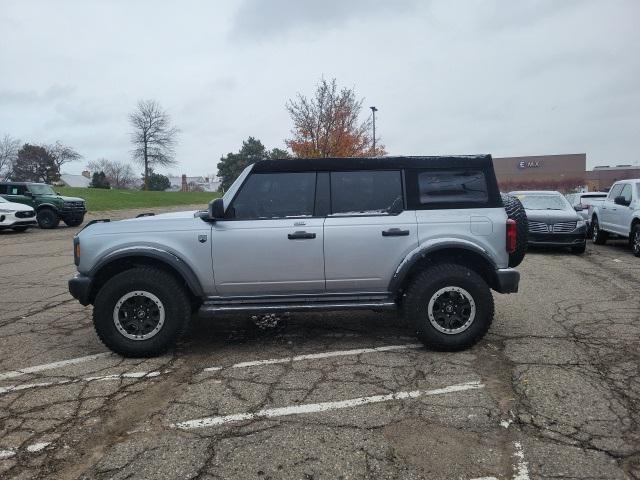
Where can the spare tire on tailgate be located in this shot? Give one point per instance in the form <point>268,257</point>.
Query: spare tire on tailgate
<point>515,211</point>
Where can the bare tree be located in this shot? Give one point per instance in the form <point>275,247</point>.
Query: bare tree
<point>62,154</point>
<point>153,137</point>
<point>119,174</point>
<point>9,147</point>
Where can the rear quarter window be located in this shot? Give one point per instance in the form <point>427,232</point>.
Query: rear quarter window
<point>459,188</point>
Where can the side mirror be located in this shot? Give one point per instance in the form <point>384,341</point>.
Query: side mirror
<point>578,208</point>
<point>620,200</point>
<point>216,209</point>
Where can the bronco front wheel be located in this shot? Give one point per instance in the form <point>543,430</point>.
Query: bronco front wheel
<point>141,312</point>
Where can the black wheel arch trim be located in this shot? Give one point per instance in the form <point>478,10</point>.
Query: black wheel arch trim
<point>47,205</point>
<point>423,250</point>
<point>163,255</point>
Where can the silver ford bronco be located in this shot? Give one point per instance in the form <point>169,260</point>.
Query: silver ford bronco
<point>429,236</point>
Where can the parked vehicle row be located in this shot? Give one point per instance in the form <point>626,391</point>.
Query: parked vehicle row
<point>49,206</point>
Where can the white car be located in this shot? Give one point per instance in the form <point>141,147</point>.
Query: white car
<point>16,216</point>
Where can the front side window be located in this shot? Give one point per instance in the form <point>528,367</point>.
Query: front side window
<point>275,195</point>
<point>366,192</point>
<point>466,187</point>
<point>615,191</point>
<point>626,193</point>
<point>42,189</point>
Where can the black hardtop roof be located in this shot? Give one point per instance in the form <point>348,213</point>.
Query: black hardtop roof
<point>372,163</point>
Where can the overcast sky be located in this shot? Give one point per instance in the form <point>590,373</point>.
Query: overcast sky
<point>478,76</point>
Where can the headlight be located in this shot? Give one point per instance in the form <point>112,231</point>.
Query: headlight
<point>7,211</point>
<point>581,223</point>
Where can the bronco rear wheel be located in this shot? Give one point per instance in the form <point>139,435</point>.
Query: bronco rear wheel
<point>515,211</point>
<point>141,312</point>
<point>450,306</point>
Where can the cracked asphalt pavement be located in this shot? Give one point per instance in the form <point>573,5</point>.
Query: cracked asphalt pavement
<point>553,391</point>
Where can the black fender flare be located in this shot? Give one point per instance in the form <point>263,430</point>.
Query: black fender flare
<point>47,205</point>
<point>163,255</point>
<point>427,248</point>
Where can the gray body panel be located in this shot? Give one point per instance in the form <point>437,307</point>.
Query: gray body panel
<point>257,257</point>
<point>357,255</point>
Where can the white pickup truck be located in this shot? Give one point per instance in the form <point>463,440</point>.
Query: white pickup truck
<point>618,214</point>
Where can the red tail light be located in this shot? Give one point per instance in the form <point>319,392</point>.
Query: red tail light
<point>511,235</point>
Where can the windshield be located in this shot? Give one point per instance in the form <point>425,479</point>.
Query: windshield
<point>543,202</point>
<point>41,190</point>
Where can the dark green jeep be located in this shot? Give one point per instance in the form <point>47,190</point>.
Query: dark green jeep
<point>50,207</point>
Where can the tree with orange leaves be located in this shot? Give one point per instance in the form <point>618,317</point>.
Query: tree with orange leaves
<point>328,124</point>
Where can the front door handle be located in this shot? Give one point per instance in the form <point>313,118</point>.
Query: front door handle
<point>395,232</point>
<point>300,235</point>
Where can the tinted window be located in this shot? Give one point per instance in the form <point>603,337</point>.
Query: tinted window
<point>366,192</point>
<point>615,191</point>
<point>17,189</point>
<point>275,195</point>
<point>626,193</point>
<point>452,186</point>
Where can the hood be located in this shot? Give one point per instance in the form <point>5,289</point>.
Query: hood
<point>552,216</point>
<point>160,216</point>
<point>20,207</point>
<point>61,197</point>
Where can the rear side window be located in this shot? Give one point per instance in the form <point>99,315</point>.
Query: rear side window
<point>366,192</point>
<point>17,189</point>
<point>275,195</point>
<point>461,187</point>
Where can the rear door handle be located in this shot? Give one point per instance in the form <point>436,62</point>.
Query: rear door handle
<point>300,235</point>
<point>395,232</point>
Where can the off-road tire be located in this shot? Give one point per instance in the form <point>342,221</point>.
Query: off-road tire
<point>579,249</point>
<point>47,218</point>
<point>165,287</point>
<point>516,211</point>
<point>75,221</point>
<point>424,286</point>
<point>634,239</point>
<point>598,236</point>
<point>19,229</point>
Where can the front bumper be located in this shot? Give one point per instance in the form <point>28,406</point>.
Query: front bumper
<point>10,220</point>
<point>508,280</point>
<point>558,239</point>
<point>80,288</point>
<point>72,212</point>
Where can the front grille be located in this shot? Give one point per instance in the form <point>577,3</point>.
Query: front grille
<point>538,227</point>
<point>27,214</point>
<point>564,227</point>
<point>73,206</point>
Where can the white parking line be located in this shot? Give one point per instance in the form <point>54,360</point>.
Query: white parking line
<point>320,407</point>
<point>4,454</point>
<point>315,356</point>
<point>26,386</point>
<point>50,366</point>
<point>521,467</point>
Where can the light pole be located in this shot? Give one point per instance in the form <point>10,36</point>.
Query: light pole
<point>374,110</point>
